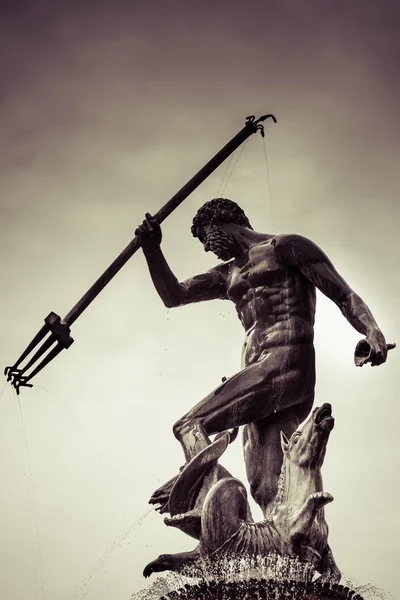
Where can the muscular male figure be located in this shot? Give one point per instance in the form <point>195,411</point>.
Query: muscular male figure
<point>271,279</point>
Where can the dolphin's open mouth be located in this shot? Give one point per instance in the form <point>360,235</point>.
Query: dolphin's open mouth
<point>323,415</point>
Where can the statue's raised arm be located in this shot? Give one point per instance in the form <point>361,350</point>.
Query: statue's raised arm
<point>207,286</point>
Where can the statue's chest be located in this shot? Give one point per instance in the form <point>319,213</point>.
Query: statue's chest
<point>259,268</point>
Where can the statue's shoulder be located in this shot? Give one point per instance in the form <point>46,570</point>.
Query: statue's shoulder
<point>293,244</point>
<point>291,239</point>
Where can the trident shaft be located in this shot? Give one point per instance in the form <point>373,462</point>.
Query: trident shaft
<point>54,336</point>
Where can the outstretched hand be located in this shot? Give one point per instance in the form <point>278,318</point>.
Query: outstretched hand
<point>373,349</point>
<point>149,233</point>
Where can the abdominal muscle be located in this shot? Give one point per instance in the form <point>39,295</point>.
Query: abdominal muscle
<point>287,328</point>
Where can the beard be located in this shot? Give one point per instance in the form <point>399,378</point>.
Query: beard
<point>221,243</point>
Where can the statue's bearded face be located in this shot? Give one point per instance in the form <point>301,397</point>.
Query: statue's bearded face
<point>221,242</point>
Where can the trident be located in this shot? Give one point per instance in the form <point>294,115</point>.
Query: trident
<point>55,333</point>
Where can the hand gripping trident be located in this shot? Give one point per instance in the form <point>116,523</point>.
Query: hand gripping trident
<point>54,336</point>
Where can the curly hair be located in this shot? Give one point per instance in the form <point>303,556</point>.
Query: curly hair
<point>216,211</point>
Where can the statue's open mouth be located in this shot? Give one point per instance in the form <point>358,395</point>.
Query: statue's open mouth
<point>323,416</point>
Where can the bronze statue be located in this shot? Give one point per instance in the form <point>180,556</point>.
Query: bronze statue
<point>272,281</point>
<point>296,526</point>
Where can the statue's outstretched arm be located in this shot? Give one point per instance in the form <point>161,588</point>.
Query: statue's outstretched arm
<point>300,252</point>
<point>207,286</point>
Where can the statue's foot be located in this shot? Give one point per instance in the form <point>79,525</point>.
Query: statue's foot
<point>190,518</point>
<point>161,496</point>
<point>319,499</point>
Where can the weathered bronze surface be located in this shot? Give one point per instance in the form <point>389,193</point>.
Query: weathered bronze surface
<point>272,280</point>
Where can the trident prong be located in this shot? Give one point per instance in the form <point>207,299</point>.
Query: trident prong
<point>257,123</point>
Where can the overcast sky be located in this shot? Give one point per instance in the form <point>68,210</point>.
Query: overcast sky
<point>107,109</point>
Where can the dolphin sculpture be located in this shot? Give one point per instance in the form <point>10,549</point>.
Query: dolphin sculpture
<point>222,522</point>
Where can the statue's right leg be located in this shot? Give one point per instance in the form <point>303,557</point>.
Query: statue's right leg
<point>262,389</point>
